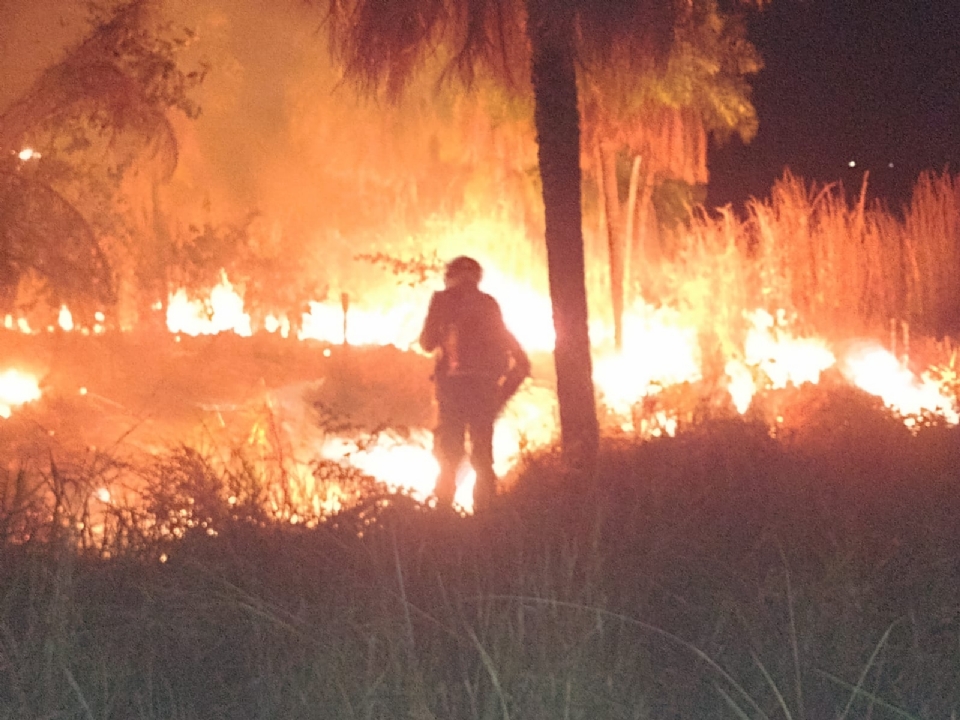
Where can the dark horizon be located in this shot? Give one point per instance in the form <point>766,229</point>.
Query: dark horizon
<point>873,83</point>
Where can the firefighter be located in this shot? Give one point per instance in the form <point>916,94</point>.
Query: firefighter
<point>479,366</point>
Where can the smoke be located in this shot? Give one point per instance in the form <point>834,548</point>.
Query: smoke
<point>35,34</point>
<point>324,174</point>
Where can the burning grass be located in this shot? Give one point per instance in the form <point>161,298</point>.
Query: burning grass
<point>720,572</point>
<point>231,525</point>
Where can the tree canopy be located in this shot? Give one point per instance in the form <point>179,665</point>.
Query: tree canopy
<point>98,117</point>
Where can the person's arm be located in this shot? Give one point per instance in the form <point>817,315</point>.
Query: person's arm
<point>521,361</point>
<point>519,366</point>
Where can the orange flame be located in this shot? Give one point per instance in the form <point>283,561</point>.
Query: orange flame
<point>16,388</point>
<point>222,312</point>
<point>877,371</point>
<point>661,349</point>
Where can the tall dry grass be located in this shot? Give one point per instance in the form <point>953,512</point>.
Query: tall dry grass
<point>842,263</point>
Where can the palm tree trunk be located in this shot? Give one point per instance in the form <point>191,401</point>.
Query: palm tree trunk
<point>557,120</point>
<point>615,237</point>
<point>630,232</point>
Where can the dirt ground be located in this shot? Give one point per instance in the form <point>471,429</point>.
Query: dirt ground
<point>150,391</point>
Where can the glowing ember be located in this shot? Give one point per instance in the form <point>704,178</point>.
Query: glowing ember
<point>19,324</point>
<point>16,388</point>
<point>273,324</point>
<point>878,372</point>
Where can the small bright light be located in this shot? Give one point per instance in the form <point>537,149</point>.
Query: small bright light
<point>103,495</point>
<point>99,316</point>
<point>326,352</point>
<point>852,163</point>
<point>83,391</point>
<point>890,165</point>
<point>28,154</point>
<point>65,319</point>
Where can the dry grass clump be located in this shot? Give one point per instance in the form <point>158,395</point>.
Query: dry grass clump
<point>843,264</point>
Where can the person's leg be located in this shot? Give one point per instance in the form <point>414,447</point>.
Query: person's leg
<point>448,444</point>
<point>483,411</point>
<point>481,457</point>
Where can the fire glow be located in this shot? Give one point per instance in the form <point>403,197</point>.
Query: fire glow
<point>16,388</point>
<point>877,371</point>
<point>661,349</point>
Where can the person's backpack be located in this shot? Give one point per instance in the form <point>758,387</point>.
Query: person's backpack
<point>475,339</point>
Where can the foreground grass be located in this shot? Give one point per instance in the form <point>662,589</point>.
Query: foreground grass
<point>721,573</point>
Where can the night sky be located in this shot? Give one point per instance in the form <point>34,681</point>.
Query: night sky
<point>870,81</point>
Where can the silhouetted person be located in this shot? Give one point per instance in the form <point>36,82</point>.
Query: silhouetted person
<point>479,366</point>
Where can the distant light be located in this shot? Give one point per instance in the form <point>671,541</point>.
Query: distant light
<point>852,163</point>
<point>890,165</point>
<point>28,154</point>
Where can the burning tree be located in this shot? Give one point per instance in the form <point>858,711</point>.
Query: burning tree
<point>99,119</point>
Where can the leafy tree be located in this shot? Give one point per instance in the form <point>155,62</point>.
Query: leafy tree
<point>649,129</point>
<point>72,269</point>
<point>99,119</point>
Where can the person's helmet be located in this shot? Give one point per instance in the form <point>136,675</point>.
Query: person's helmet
<point>462,270</point>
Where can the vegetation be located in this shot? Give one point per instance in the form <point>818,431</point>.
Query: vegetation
<point>100,122</point>
<point>721,573</point>
<point>561,45</point>
<point>843,266</point>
